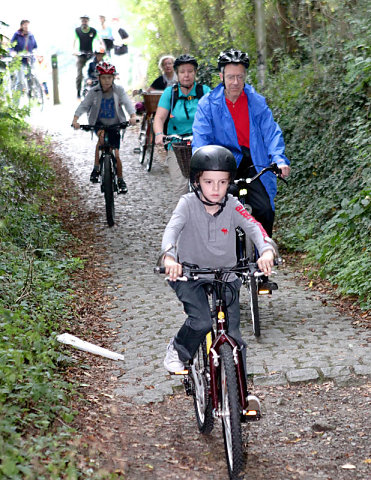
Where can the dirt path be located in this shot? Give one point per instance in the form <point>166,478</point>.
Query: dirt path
<point>131,421</point>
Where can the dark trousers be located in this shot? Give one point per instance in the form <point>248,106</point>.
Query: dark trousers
<point>199,322</point>
<point>257,196</point>
<point>80,64</point>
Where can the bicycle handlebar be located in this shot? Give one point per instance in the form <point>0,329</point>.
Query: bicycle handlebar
<point>169,138</point>
<point>88,128</point>
<point>274,168</point>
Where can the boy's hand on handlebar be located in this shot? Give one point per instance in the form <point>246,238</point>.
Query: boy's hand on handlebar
<point>266,261</point>
<point>172,268</point>
<point>133,120</point>
<point>76,125</point>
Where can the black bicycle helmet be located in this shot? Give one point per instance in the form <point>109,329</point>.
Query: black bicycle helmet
<point>212,157</point>
<point>185,58</point>
<point>233,56</point>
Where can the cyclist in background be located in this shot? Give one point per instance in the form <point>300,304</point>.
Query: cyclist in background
<point>235,116</point>
<point>203,228</point>
<point>92,68</point>
<point>105,33</point>
<point>179,104</point>
<point>24,43</point>
<point>103,104</point>
<point>83,44</point>
<point>168,76</point>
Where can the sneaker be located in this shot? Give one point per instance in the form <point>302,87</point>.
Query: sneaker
<point>122,186</point>
<point>94,176</point>
<point>172,362</point>
<point>266,287</point>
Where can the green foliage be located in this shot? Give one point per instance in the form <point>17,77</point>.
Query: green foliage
<point>35,303</point>
<point>323,109</point>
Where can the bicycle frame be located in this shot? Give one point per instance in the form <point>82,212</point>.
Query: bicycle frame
<point>219,337</point>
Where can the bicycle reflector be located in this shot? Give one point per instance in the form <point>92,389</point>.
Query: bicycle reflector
<point>181,372</point>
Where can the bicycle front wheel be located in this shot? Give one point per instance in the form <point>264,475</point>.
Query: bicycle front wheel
<point>108,189</point>
<point>201,398</point>
<point>150,145</point>
<point>231,413</point>
<point>254,305</point>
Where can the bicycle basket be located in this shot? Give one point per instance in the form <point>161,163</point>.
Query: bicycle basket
<point>151,101</point>
<point>183,153</point>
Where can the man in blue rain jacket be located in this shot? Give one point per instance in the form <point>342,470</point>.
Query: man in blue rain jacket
<point>235,116</point>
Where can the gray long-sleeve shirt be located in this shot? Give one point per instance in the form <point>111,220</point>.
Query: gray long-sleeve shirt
<point>92,104</point>
<point>207,240</point>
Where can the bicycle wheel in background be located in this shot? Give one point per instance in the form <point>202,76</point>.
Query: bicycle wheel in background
<point>36,92</point>
<point>150,145</point>
<point>231,413</point>
<point>201,398</point>
<point>107,187</point>
<point>143,139</point>
<point>252,286</point>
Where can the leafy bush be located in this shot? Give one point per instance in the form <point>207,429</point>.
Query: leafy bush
<point>323,109</point>
<point>34,304</point>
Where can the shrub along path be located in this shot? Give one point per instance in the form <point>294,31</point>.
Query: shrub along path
<point>308,431</point>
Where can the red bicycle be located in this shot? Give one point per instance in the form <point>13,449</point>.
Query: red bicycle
<point>215,377</point>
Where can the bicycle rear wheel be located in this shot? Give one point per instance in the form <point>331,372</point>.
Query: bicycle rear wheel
<point>108,189</point>
<point>150,145</point>
<point>143,139</point>
<point>201,398</point>
<point>231,413</point>
<point>252,285</point>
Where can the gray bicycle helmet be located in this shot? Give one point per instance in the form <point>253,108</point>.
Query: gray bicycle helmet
<point>233,56</point>
<point>212,157</point>
<point>185,58</point>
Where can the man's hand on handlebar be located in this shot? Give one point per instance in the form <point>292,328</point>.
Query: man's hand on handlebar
<point>172,268</point>
<point>75,125</point>
<point>266,261</point>
<point>285,170</point>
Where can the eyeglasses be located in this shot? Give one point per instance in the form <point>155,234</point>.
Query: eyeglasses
<point>239,78</point>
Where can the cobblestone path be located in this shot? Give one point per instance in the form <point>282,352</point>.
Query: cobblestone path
<point>301,339</point>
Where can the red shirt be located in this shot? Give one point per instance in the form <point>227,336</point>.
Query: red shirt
<point>240,114</point>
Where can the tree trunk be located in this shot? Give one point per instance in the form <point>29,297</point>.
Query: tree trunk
<point>184,36</point>
<point>260,40</point>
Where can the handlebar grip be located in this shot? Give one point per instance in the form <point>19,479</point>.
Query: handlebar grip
<point>159,270</point>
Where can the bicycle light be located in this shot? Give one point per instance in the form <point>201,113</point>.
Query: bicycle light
<point>242,192</point>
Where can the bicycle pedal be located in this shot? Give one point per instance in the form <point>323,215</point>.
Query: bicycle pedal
<point>136,150</point>
<point>181,372</point>
<point>250,416</point>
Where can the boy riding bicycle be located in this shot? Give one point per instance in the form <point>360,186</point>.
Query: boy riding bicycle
<point>103,104</point>
<point>203,226</point>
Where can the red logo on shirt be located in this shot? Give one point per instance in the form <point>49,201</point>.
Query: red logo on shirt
<point>225,231</point>
<point>240,209</point>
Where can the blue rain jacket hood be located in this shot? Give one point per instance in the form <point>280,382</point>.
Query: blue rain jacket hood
<point>213,125</point>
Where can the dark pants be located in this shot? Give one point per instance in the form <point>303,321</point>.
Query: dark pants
<point>80,64</point>
<point>199,322</point>
<point>257,196</point>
